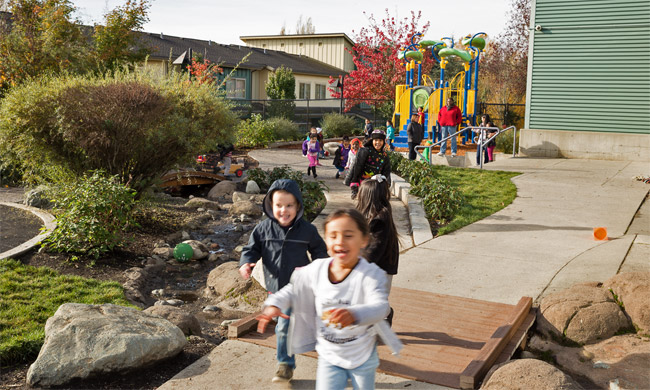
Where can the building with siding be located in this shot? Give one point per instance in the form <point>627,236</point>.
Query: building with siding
<point>588,93</point>
<point>250,77</point>
<point>333,49</point>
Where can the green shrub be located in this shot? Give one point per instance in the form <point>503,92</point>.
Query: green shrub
<point>30,295</point>
<point>91,214</point>
<point>504,142</point>
<point>133,125</point>
<point>312,191</point>
<point>441,200</point>
<point>455,197</point>
<point>254,132</point>
<point>284,129</point>
<point>337,125</point>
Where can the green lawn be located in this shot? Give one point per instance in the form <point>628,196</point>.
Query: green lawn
<point>485,193</point>
<point>30,295</point>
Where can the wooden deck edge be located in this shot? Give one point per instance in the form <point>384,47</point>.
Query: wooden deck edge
<point>477,368</point>
<point>243,326</point>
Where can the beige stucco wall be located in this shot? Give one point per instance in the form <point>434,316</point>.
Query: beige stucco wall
<point>584,144</point>
<point>313,80</point>
<point>330,50</point>
<point>158,67</point>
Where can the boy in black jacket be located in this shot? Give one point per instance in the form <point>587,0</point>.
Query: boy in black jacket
<point>282,241</point>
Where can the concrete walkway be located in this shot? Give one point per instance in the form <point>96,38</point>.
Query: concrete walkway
<point>540,243</point>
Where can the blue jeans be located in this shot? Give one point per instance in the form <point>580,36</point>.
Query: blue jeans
<point>331,377</point>
<point>281,329</point>
<point>390,145</point>
<point>446,132</point>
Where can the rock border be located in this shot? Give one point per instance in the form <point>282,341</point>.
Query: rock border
<point>48,220</point>
<point>420,229</point>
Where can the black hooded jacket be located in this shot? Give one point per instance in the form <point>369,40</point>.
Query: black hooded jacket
<point>369,162</point>
<point>282,249</point>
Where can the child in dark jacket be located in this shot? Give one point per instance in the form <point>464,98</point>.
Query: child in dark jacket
<point>282,241</point>
<point>371,160</point>
<point>373,201</point>
<point>341,156</point>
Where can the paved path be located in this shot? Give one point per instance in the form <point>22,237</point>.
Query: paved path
<point>540,243</point>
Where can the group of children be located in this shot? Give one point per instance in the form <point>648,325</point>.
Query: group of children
<point>337,303</point>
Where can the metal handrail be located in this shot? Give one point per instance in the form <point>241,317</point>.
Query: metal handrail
<point>483,143</point>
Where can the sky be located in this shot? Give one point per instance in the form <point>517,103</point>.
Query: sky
<point>224,21</point>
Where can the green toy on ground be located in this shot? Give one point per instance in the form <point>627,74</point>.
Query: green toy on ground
<point>183,252</point>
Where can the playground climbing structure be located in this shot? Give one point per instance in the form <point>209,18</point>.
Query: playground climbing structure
<point>420,91</point>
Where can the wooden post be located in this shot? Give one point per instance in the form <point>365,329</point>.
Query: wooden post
<point>477,368</point>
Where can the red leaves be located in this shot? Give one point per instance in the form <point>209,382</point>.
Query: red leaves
<point>375,57</point>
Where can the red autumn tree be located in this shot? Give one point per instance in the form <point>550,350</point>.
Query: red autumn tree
<point>378,69</point>
<point>204,71</point>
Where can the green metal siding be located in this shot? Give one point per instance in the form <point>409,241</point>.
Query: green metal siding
<point>239,74</point>
<point>591,66</point>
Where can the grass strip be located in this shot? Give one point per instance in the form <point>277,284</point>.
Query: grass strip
<point>30,295</point>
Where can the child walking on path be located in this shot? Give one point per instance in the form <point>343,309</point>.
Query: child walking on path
<point>373,201</point>
<point>355,146</point>
<point>337,305</point>
<point>341,156</point>
<point>390,135</point>
<point>282,241</point>
<point>311,148</point>
<point>371,160</point>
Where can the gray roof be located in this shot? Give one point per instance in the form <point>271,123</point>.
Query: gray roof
<point>230,55</point>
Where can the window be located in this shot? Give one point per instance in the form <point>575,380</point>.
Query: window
<point>321,91</point>
<point>305,91</point>
<point>236,88</point>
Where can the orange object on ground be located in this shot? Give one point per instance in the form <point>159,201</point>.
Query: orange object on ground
<point>600,233</point>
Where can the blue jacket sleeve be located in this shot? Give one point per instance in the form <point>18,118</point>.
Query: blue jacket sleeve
<point>252,252</point>
<point>317,248</point>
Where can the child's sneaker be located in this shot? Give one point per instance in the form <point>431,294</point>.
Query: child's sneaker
<point>283,374</point>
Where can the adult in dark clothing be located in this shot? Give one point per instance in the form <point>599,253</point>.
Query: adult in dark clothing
<point>371,160</point>
<point>415,134</point>
<point>368,129</point>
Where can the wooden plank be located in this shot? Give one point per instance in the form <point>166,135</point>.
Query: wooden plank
<point>518,340</point>
<point>475,371</point>
<point>243,326</point>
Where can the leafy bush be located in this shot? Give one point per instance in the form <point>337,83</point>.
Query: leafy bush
<point>312,191</point>
<point>91,213</point>
<point>284,129</point>
<point>441,200</point>
<point>504,142</point>
<point>337,125</point>
<point>133,125</point>
<point>254,132</point>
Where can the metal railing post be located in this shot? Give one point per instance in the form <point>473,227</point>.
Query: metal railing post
<point>514,141</point>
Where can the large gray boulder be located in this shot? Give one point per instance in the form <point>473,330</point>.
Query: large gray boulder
<point>223,188</point>
<point>238,195</point>
<point>583,314</point>
<point>620,362</point>
<point>82,340</point>
<point>633,291</point>
<point>187,322</point>
<point>201,250</point>
<point>231,292</point>
<point>247,207</point>
<point>528,374</point>
<point>198,202</point>
<point>225,281</point>
<point>252,187</point>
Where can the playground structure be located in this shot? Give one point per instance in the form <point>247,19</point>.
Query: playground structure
<point>419,91</point>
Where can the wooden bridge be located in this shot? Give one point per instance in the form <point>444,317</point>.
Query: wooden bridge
<point>449,341</point>
<point>190,178</point>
